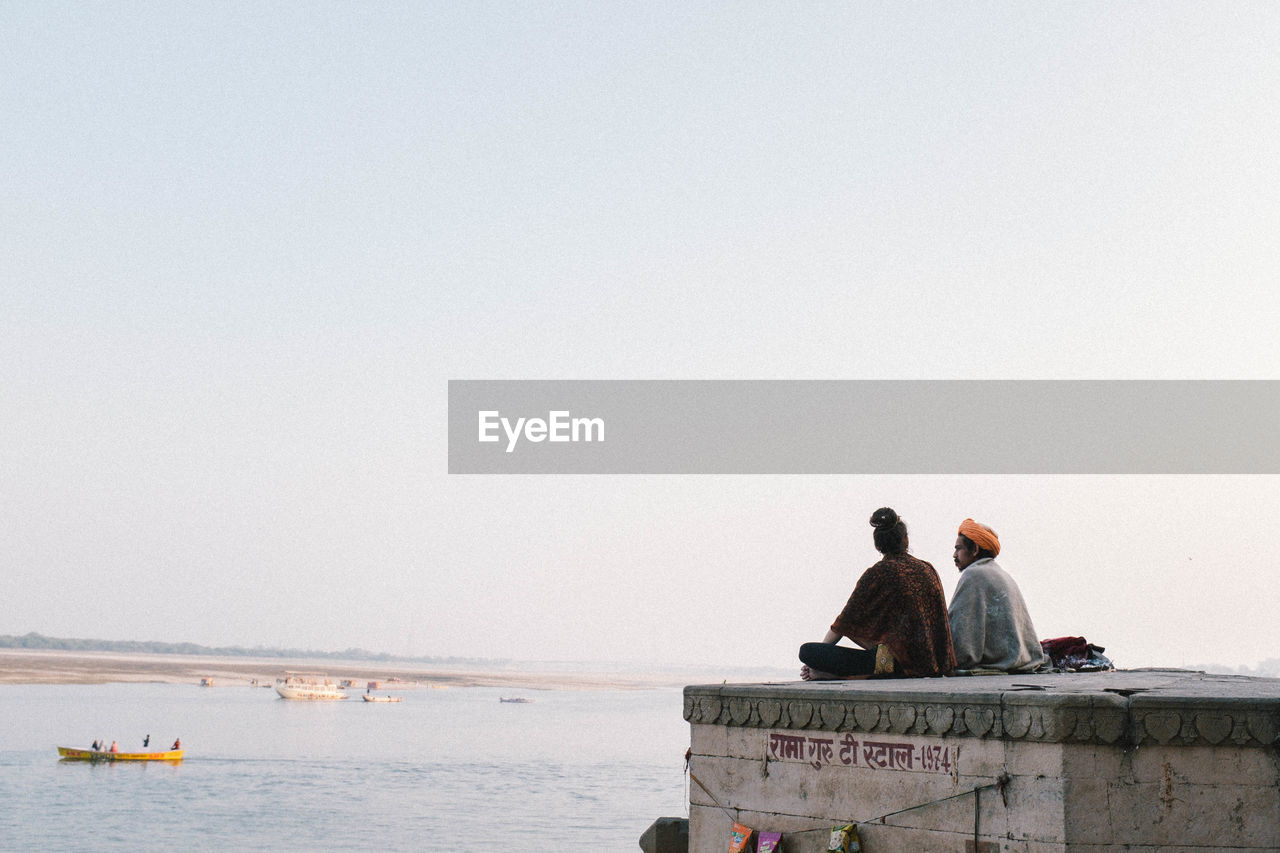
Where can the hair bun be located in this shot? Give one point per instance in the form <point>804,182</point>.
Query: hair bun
<point>884,518</point>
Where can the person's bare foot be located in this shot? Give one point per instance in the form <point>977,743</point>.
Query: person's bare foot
<point>809,674</point>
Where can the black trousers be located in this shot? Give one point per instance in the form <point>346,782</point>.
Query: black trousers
<point>838,660</point>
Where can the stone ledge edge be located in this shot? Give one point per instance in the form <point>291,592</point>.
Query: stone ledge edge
<point>1107,719</point>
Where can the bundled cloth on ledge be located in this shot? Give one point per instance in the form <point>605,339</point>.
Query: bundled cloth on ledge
<point>1076,654</point>
<point>844,839</point>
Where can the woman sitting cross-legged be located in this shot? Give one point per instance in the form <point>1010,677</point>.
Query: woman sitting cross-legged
<point>897,613</point>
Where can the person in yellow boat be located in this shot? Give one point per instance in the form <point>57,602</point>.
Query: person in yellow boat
<point>177,743</point>
<point>114,747</point>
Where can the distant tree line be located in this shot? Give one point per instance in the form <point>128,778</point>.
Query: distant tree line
<point>1269,668</point>
<point>151,647</point>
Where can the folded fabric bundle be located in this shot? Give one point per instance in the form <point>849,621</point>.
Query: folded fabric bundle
<point>1076,654</point>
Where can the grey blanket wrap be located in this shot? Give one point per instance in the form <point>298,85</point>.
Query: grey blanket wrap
<point>990,625</point>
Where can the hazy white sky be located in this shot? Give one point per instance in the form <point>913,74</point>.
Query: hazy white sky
<point>244,246</point>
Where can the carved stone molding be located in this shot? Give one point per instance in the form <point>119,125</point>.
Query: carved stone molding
<point>800,714</point>
<point>832,715</point>
<point>1110,717</point>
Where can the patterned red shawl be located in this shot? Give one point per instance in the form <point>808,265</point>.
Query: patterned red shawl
<point>899,602</point>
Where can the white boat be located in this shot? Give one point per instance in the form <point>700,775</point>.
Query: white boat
<point>369,698</point>
<point>308,685</point>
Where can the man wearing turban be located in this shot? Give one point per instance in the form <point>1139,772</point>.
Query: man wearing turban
<point>990,625</point>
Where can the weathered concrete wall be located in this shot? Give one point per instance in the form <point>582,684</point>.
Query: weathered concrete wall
<point>1209,797</point>
<point>1104,762</point>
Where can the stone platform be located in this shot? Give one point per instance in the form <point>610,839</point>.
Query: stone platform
<point>1136,760</point>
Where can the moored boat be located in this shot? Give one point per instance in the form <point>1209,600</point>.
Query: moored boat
<point>73,754</point>
<point>308,685</point>
<point>368,698</point>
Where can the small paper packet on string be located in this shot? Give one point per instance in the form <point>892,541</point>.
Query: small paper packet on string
<point>844,839</point>
<point>769,842</point>
<point>740,838</point>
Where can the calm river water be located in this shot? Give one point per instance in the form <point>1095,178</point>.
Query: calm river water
<point>450,769</point>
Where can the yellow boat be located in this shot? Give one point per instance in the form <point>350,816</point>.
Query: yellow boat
<point>73,754</point>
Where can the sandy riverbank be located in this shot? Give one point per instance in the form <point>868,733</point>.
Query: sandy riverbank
<point>21,666</point>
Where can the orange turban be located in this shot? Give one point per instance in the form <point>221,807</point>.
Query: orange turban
<point>984,537</point>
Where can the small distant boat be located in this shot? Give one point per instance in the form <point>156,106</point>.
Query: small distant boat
<point>314,686</point>
<point>517,699</point>
<point>369,698</point>
<point>72,754</point>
